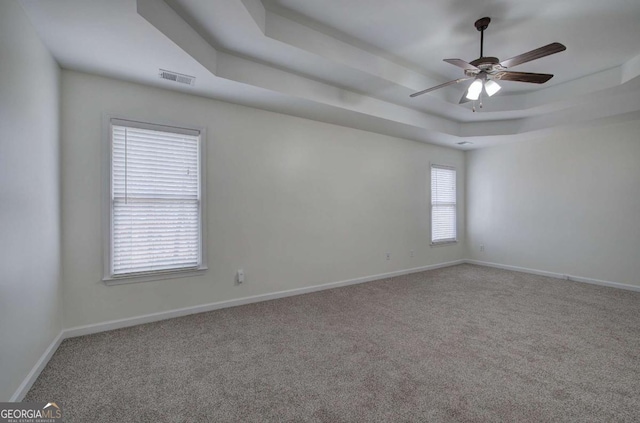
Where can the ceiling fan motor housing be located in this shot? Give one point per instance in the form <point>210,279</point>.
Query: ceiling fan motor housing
<point>487,64</point>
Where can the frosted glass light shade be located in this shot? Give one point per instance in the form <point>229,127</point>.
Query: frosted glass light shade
<point>491,87</point>
<point>474,90</point>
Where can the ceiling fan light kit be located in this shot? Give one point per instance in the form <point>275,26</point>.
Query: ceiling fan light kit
<point>486,70</point>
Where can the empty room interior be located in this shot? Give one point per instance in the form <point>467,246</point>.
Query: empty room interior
<point>320,211</point>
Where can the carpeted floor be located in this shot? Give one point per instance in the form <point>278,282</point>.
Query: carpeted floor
<point>463,344</point>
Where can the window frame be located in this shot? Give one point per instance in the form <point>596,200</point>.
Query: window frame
<point>107,206</point>
<point>448,241</point>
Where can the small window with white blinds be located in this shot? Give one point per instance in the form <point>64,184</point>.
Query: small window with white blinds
<point>443,204</point>
<point>156,207</point>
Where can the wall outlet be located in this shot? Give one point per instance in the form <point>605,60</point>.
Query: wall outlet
<point>411,254</point>
<point>388,256</point>
<point>481,247</point>
<point>240,276</point>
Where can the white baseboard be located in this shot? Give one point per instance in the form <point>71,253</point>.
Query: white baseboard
<point>154,317</point>
<point>604,283</point>
<point>516,269</point>
<point>26,384</point>
<point>557,275</point>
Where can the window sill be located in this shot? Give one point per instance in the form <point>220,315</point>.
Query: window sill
<point>443,243</point>
<point>154,276</point>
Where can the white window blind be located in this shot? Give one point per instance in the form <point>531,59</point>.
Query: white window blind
<point>443,204</point>
<point>155,199</point>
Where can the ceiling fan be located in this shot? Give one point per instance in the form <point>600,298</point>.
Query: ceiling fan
<point>485,71</point>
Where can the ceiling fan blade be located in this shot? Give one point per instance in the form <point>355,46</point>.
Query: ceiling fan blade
<point>461,64</point>
<point>547,50</point>
<point>455,81</point>
<point>534,78</point>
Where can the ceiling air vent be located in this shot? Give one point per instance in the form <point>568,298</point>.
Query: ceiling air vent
<point>177,77</point>
<point>464,143</point>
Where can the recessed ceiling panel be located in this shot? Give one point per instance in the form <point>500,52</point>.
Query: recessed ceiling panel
<point>598,35</point>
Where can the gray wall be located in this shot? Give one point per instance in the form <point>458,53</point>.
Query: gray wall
<point>567,203</point>
<point>30,297</point>
<point>293,202</point>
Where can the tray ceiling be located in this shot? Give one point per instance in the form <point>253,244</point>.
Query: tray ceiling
<point>355,62</point>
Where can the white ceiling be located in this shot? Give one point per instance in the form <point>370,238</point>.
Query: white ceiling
<point>355,62</point>
<point>598,35</point>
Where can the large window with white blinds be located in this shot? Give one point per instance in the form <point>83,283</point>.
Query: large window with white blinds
<point>443,204</point>
<point>155,199</point>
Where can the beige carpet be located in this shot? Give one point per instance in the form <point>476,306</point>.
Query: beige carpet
<point>463,344</point>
